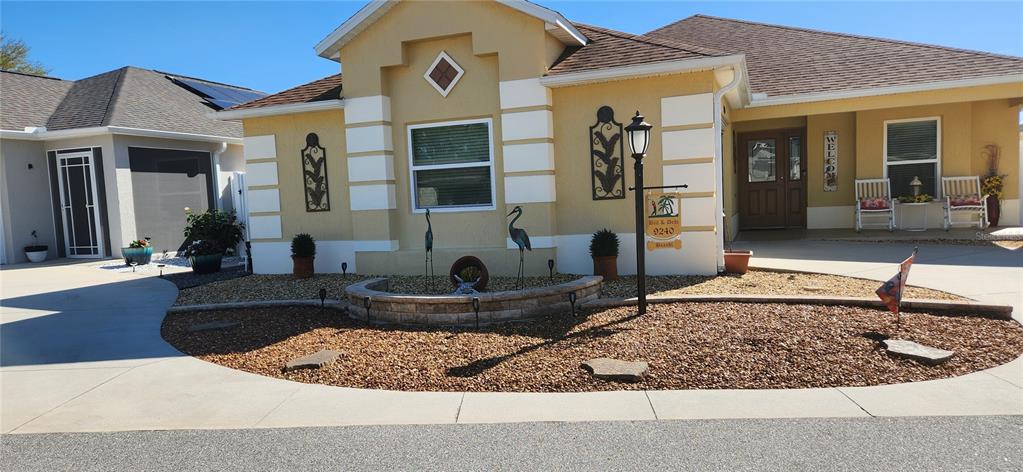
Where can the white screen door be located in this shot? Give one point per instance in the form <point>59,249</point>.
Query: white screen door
<point>76,177</point>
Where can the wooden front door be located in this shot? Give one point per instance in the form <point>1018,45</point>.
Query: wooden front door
<point>772,174</point>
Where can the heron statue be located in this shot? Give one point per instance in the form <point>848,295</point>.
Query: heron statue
<point>428,239</point>
<point>521,240</point>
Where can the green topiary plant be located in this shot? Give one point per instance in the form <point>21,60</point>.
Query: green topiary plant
<point>604,243</point>
<point>303,245</point>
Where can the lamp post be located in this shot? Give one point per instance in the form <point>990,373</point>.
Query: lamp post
<point>639,138</point>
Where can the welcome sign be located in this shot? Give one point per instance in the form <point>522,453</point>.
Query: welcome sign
<point>664,221</point>
<point>831,161</point>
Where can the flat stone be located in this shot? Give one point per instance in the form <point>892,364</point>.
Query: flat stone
<point>312,361</point>
<point>811,288</point>
<point>617,370</point>
<point>212,325</point>
<point>918,352</point>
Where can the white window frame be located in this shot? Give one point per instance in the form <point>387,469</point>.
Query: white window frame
<point>413,194</point>
<point>936,160</point>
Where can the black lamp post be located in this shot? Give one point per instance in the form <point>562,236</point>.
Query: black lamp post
<point>639,139</point>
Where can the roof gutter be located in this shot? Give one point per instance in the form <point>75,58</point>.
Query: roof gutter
<point>896,89</point>
<point>719,190</point>
<point>274,110</point>
<point>41,134</point>
<point>646,70</point>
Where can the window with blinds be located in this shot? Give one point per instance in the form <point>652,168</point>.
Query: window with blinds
<point>452,165</point>
<point>912,149</point>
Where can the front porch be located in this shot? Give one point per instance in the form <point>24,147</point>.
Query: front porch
<point>1005,237</point>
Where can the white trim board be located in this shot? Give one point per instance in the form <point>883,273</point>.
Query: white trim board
<point>274,110</point>
<point>275,257</point>
<point>41,134</point>
<point>892,90</point>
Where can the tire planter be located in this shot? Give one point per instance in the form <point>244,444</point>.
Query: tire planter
<point>606,266</point>
<point>36,253</point>
<point>207,264</point>
<point>138,255</point>
<point>302,267</point>
<point>466,262</point>
<point>736,261</point>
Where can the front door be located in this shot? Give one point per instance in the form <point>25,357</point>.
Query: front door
<point>772,172</point>
<point>79,209</point>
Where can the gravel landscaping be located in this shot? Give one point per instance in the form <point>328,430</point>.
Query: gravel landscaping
<point>687,346</point>
<point>755,282</point>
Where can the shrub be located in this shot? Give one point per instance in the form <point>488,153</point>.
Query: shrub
<point>604,243</point>
<point>303,245</point>
<point>204,247</point>
<point>216,228</point>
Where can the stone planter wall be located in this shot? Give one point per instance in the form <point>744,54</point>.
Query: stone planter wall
<point>452,310</point>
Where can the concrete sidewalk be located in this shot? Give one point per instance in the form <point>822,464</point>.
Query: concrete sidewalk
<point>81,351</point>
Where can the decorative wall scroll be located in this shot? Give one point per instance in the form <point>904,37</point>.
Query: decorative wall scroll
<point>831,161</point>
<point>314,171</point>
<point>606,153</point>
<point>663,220</point>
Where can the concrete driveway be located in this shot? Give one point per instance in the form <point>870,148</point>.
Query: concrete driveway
<point>81,351</point>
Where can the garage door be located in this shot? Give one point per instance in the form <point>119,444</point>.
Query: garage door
<point>164,183</point>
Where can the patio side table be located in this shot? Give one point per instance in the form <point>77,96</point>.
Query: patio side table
<point>905,206</point>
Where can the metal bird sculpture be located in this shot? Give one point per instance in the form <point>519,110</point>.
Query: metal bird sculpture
<point>521,240</point>
<point>428,239</point>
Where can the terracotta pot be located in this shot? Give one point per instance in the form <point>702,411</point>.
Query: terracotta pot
<point>994,210</point>
<point>737,261</point>
<point>466,262</point>
<point>303,266</point>
<point>606,266</point>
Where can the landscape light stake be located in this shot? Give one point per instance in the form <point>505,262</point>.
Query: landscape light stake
<point>344,269</point>
<point>248,257</point>
<point>161,266</point>
<point>550,267</point>
<point>571,299</point>
<point>366,303</point>
<point>133,264</point>
<point>323,297</point>
<point>476,308</point>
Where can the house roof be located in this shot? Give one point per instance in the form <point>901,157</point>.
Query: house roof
<point>609,48</point>
<point>327,88</point>
<point>785,61</point>
<point>29,100</point>
<point>128,97</point>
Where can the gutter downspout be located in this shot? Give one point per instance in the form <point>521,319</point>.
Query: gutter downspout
<point>719,203</point>
<point>216,174</point>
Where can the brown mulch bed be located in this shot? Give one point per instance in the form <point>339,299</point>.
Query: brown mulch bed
<point>688,346</point>
<point>755,282</point>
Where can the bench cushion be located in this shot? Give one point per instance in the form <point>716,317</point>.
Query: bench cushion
<point>964,200</point>
<point>874,204</point>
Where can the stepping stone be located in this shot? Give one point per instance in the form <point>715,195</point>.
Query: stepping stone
<point>918,352</point>
<point>614,369</point>
<point>212,325</point>
<point>312,361</point>
<point>811,288</point>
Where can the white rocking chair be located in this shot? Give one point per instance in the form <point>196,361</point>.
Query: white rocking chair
<point>962,196</point>
<point>874,199</point>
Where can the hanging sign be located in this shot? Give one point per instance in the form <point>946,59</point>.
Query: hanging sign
<point>664,220</point>
<point>831,161</point>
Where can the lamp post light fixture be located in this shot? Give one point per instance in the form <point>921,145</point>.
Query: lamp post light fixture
<point>639,138</point>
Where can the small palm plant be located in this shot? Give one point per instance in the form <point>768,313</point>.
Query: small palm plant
<point>303,253</point>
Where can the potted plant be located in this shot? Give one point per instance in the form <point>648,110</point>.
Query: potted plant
<point>139,251</point>
<point>303,253</point>
<point>209,235</point>
<point>993,185</point>
<point>604,251</point>
<point>737,260</point>
<point>36,252</point>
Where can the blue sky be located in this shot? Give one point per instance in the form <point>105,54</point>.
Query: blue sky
<point>225,41</point>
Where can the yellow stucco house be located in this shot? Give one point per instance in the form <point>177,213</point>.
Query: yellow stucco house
<point>472,108</point>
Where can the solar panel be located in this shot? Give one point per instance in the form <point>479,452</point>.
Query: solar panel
<point>220,96</point>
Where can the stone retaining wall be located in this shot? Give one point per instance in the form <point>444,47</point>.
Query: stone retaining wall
<point>450,310</point>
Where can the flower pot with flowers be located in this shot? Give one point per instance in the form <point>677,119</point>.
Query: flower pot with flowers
<point>139,251</point>
<point>209,236</point>
<point>993,185</point>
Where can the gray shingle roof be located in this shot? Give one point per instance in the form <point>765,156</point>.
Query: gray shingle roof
<point>29,100</point>
<point>130,97</point>
<point>783,60</point>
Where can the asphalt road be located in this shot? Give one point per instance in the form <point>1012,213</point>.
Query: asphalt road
<point>922,443</point>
